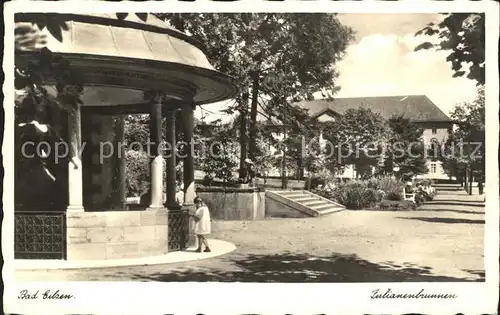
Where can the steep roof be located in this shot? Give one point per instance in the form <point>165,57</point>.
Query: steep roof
<point>419,108</point>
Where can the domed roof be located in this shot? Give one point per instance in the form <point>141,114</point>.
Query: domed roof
<point>145,21</point>
<point>132,51</point>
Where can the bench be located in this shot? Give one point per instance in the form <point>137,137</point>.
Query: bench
<point>408,196</point>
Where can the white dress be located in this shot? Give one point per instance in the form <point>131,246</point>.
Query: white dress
<point>179,197</point>
<point>202,226</point>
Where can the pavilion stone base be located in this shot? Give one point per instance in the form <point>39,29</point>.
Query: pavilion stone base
<point>116,234</point>
<point>233,203</point>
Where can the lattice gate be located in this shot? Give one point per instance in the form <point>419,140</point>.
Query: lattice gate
<point>39,235</point>
<point>178,230</point>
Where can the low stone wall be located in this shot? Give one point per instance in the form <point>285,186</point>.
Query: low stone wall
<point>276,183</point>
<point>234,203</point>
<point>116,234</point>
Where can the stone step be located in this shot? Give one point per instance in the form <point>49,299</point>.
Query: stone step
<point>316,202</point>
<point>322,207</point>
<point>304,199</point>
<point>305,202</point>
<point>454,192</point>
<point>290,192</point>
<point>295,195</point>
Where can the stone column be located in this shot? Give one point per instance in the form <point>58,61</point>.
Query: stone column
<point>188,170</point>
<point>156,157</point>
<point>122,186</point>
<point>171,159</point>
<point>75,177</point>
<point>188,164</point>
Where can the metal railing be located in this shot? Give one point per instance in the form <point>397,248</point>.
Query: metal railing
<point>178,230</point>
<point>39,235</point>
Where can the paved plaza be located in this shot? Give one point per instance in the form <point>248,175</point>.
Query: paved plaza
<point>442,241</point>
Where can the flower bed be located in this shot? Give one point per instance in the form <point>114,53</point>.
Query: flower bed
<point>377,193</point>
<point>397,205</point>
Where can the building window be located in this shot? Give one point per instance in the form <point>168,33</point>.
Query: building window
<point>434,130</point>
<point>433,168</point>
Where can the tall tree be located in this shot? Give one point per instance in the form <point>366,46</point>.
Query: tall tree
<point>263,51</point>
<point>277,56</point>
<point>219,157</point>
<point>465,147</point>
<point>463,35</point>
<point>358,137</point>
<point>406,149</point>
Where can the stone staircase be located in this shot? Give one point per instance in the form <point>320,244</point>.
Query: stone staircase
<point>449,189</point>
<point>299,203</point>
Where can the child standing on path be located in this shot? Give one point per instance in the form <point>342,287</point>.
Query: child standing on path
<point>202,224</point>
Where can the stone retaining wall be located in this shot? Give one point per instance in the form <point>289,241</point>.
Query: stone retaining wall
<point>116,234</point>
<point>227,203</point>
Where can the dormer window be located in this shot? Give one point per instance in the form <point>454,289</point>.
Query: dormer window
<point>433,168</point>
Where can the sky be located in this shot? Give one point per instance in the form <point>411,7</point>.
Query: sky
<point>382,62</point>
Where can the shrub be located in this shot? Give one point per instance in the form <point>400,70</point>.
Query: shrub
<point>380,195</point>
<point>397,205</point>
<point>393,188</point>
<point>324,192</point>
<point>419,197</point>
<point>394,196</point>
<point>317,182</point>
<point>137,173</point>
<point>373,183</point>
<point>387,187</point>
<point>355,195</point>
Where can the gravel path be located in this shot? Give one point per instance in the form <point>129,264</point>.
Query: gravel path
<point>442,241</point>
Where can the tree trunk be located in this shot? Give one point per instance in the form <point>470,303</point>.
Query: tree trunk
<point>299,168</point>
<point>284,181</point>
<point>253,117</point>
<point>464,180</point>
<point>471,179</point>
<point>243,133</point>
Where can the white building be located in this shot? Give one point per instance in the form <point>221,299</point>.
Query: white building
<point>418,108</point>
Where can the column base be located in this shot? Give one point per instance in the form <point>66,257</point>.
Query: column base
<point>75,209</point>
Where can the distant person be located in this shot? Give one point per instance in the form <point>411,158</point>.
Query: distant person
<point>179,195</point>
<point>202,225</point>
<point>409,187</point>
<point>480,187</point>
<point>249,173</point>
<point>421,190</point>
